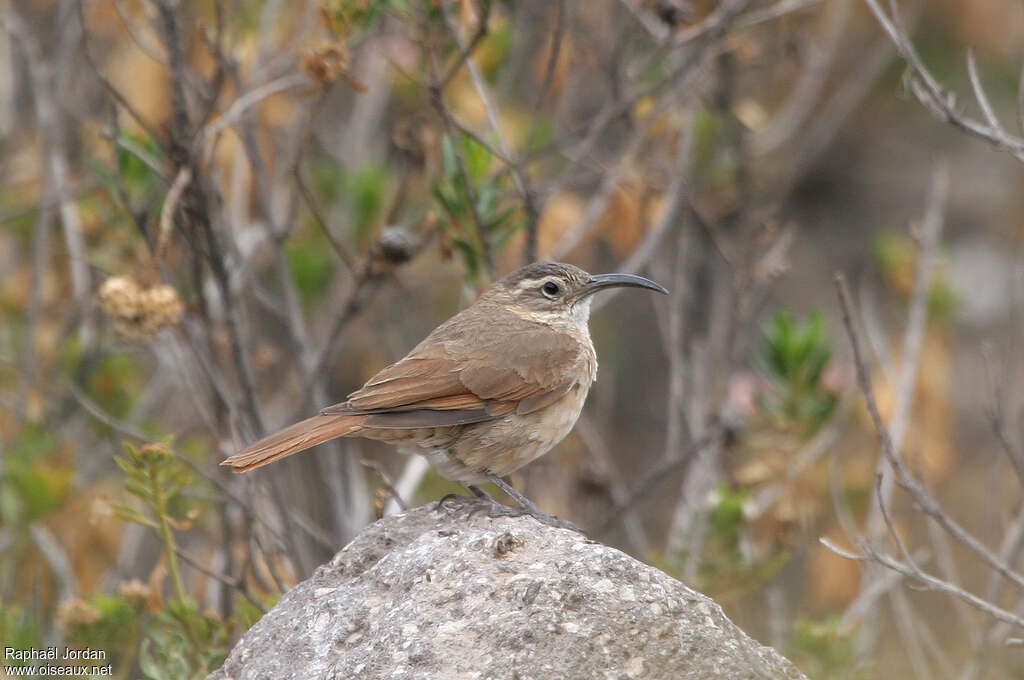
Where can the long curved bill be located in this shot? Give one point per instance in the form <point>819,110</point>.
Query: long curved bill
<point>602,281</point>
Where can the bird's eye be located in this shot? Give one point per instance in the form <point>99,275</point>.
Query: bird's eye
<point>551,289</point>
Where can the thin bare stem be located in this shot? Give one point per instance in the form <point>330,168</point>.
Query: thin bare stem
<point>907,481</point>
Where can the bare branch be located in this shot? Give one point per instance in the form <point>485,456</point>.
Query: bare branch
<point>56,156</point>
<point>921,496</point>
<point>934,96</point>
<point>927,580</point>
<point>338,246</point>
<point>466,50</point>
<point>913,338</point>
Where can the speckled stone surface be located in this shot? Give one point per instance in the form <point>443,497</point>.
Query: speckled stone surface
<point>436,594</point>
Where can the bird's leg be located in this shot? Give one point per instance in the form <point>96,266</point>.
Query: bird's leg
<point>528,507</point>
<point>480,493</point>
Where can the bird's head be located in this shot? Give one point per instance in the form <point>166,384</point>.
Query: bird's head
<point>554,292</point>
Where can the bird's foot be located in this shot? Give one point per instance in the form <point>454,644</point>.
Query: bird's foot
<point>526,507</point>
<point>483,502</point>
<point>542,517</point>
<point>456,499</point>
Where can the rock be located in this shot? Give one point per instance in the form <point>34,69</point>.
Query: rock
<point>439,594</point>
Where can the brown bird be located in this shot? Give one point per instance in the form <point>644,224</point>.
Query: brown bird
<point>488,391</point>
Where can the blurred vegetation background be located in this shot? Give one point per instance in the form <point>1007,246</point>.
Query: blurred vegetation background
<point>221,215</point>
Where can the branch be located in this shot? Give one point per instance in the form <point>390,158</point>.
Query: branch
<point>58,170</point>
<point>913,338</point>
<point>467,50</point>
<point>927,580</point>
<point>936,98</point>
<point>929,506</point>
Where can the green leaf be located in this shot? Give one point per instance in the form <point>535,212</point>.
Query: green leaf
<point>449,164</point>
<point>477,156</point>
<point>130,514</point>
<point>469,256</point>
<point>138,490</point>
<point>365,190</point>
<point>312,267</point>
<point>793,359</point>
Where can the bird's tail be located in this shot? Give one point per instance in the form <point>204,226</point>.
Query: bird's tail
<point>293,439</point>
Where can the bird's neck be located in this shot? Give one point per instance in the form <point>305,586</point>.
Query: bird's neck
<point>574,323</point>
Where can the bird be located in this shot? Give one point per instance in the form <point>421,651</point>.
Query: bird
<point>489,390</point>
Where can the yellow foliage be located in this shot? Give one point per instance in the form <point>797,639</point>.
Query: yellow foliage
<point>834,580</point>
<point>927,444</point>
<point>143,82</point>
<point>561,212</point>
<point>465,102</point>
<point>91,546</point>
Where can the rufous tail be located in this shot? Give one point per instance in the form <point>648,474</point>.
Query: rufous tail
<point>293,439</point>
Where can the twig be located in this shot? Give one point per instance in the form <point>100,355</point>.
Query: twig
<point>882,504</point>
<point>101,415</point>
<point>676,197</point>
<point>655,477</point>
<point>1013,544</point>
<point>675,348</point>
<point>149,50</point>
<point>134,149</point>
<point>386,480</point>
<point>467,50</point>
<point>913,338</point>
<point>711,30</point>
<point>866,599</point>
<point>119,98</point>
<point>948,570</point>
<point>772,12</point>
<point>810,452</point>
<point>408,482</point>
<point>339,247</point>
<point>921,496</point>
<point>167,216</point>
<point>793,113</point>
<point>618,490</point>
<point>983,102</point>
<point>1020,101</point>
<point>47,203</point>
<point>519,176</point>
<point>57,557</point>
<point>437,96</point>
<point>58,170</point>
<point>928,580</point>
<point>222,578</point>
<point>994,410</point>
<point>240,106</point>
<point>530,252</point>
<point>934,96</point>
<point>909,630</point>
<point>549,68</point>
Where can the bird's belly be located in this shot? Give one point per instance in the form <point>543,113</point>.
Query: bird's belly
<point>504,445</point>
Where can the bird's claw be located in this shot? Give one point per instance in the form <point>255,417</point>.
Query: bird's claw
<point>471,505</point>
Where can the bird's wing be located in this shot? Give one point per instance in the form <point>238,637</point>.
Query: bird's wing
<point>458,377</point>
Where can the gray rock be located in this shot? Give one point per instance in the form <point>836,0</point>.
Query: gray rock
<point>439,594</point>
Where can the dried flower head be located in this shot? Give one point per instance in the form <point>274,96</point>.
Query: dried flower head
<point>119,296</point>
<point>76,612</point>
<point>134,590</point>
<point>329,63</point>
<point>139,313</point>
<point>156,451</point>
